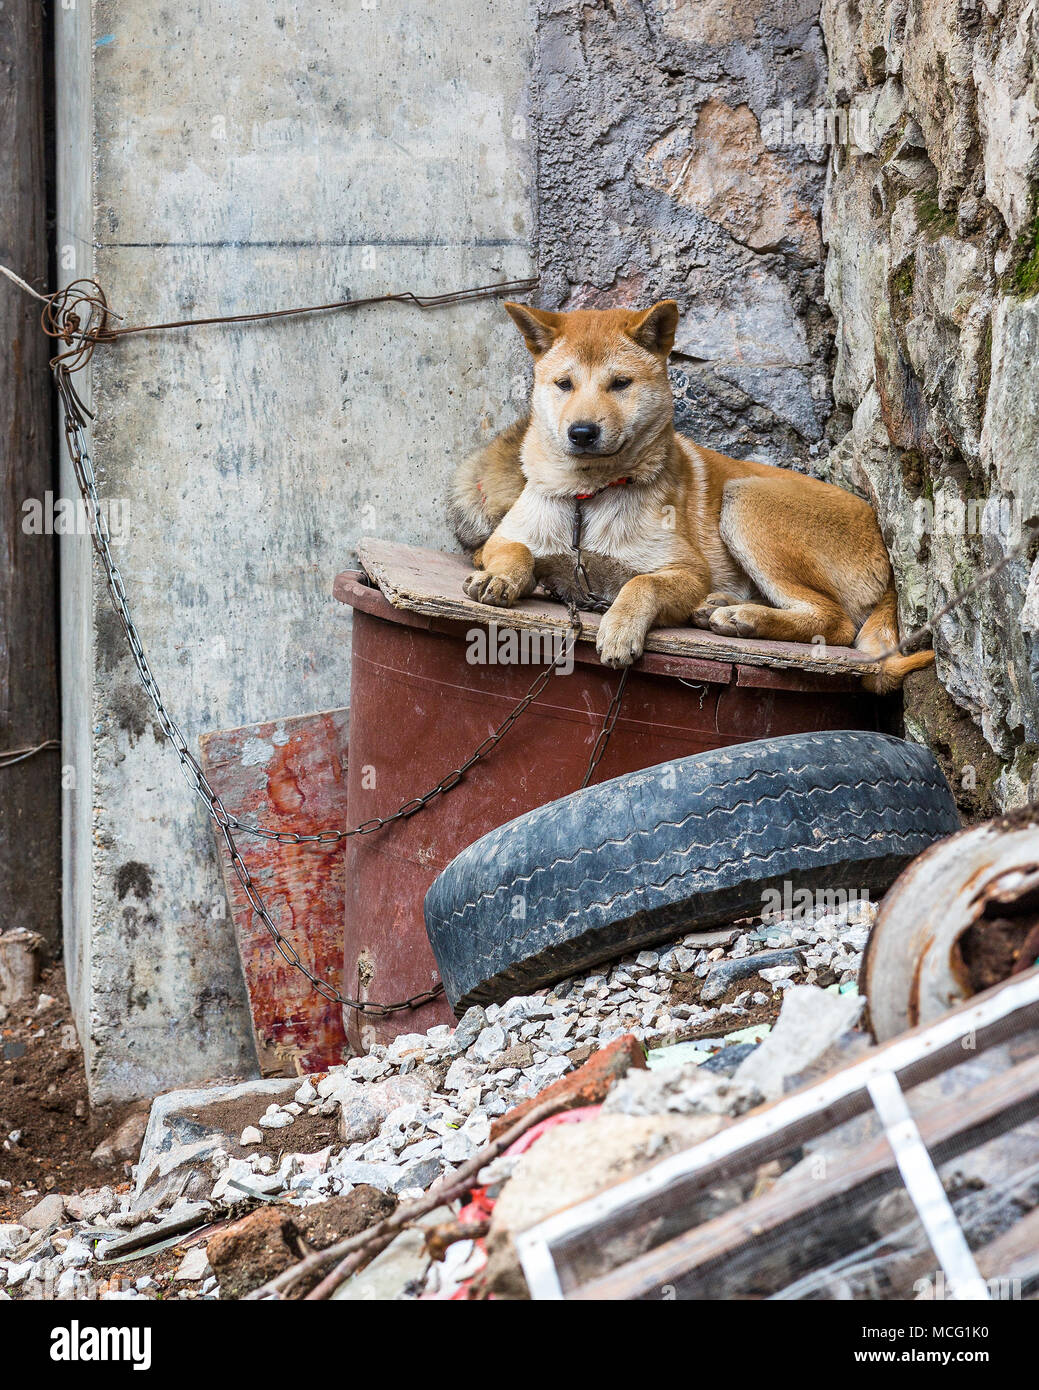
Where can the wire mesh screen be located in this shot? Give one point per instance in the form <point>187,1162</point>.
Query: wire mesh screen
<point>914,1180</point>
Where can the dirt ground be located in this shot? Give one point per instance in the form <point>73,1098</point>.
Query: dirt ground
<point>47,1129</point>
<point>309,1134</point>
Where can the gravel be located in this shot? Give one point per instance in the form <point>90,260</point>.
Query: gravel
<point>414,1109</point>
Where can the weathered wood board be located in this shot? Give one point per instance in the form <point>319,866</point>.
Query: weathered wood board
<point>30,698</point>
<point>430,582</point>
<point>289,774</point>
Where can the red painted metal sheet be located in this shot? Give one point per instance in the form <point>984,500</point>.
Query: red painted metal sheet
<point>419,709</point>
<point>289,774</point>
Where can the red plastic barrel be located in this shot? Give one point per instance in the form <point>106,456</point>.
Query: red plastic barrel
<point>418,709</point>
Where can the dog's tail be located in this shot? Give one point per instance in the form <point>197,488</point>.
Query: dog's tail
<point>879,633</point>
<point>485,486</point>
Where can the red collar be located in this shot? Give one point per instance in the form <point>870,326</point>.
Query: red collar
<point>617,482</point>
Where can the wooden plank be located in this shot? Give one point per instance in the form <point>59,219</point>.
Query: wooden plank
<point>30,713</point>
<point>430,582</point>
<point>949,1128</point>
<point>354,587</point>
<point>289,774</point>
<point>1014,1255</point>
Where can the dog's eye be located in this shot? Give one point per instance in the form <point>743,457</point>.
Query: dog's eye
<point>565,384</point>
<point>619,383</point>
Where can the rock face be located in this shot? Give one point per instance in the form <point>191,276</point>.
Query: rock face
<point>932,268</point>
<point>663,170</point>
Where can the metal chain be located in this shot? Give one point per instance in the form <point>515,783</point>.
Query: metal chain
<point>607,728</point>
<point>74,418</point>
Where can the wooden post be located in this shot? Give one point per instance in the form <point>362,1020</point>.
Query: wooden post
<point>30,790</point>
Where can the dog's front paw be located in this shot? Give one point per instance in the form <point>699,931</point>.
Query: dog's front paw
<point>732,620</point>
<point>620,639</point>
<point>702,616</point>
<point>493,589</point>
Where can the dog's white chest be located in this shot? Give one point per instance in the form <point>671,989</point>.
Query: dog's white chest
<point>616,522</point>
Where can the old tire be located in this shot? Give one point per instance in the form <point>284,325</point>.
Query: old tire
<point>687,844</point>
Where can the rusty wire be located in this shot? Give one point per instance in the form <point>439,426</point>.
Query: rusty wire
<point>10,756</point>
<point>79,315</point>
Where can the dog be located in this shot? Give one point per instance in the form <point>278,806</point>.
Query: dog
<point>670,532</point>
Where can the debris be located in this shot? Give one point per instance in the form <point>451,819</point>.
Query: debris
<point>570,1163</point>
<point>11,1236</point>
<point>390,1126</point>
<point>812,1021</point>
<point>339,1217</point>
<point>677,1055</point>
<point>20,952</point>
<point>956,921</point>
<point>47,1212</point>
<point>586,1086</point>
<point>125,1144</point>
<point>399,1268</point>
<point>89,1205</point>
<point>179,1134</point>
<point>252,1250</point>
<point>194,1265</point>
<point>364,1108</point>
<point>75,1255</point>
<point>276,1118</point>
<point>727,1060</point>
<point>727,972</point>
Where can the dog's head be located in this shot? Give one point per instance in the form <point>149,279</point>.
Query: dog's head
<point>601,391</point>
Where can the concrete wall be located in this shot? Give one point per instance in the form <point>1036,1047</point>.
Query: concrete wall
<point>244,156</point>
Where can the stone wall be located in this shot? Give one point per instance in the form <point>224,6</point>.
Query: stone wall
<point>933,264</point>
<point>663,171</point>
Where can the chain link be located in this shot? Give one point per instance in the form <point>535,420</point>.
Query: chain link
<point>607,727</point>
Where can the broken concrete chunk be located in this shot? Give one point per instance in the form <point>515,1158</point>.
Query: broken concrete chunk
<point>178,1135</point>
<point>571,1162</point>
<point>276,1118</point>
<point>47,1212</point>
<point>19,965</point>
<point>810,1023</point>
<point>470,1026</point>
<point>489,1043</point>
<point>194,1265</point>
<point>363,1110</point>
<point>11,1236</point>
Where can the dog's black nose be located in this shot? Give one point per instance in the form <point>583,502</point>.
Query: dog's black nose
<point>583,432</point>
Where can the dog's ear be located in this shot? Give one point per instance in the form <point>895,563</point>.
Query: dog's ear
<point>654,329</point>
<point>539,327</point>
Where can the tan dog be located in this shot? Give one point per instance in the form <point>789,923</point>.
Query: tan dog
<point>671,532</point>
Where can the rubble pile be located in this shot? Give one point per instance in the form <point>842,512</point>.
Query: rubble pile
<point>386,1126</point>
